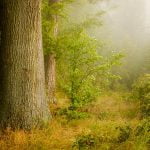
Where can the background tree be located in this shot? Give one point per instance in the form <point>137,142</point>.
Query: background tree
<point>22,104</point>
<point>53,11</point>
<point>50,30</point>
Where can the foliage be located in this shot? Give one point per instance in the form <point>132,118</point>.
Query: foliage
<point>57,9</point>
<point>80,65</point>
<point>101,138</point>
<point>73,114</point>
<point>141,90</point>
<point>142,134</point>
<point>143,127</point>
<point>86,141</point>
<point>49,11</point>
<point>52,12</point>
<point>124,133</point>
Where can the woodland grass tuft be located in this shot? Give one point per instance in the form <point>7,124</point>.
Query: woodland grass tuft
<point>113,125</point>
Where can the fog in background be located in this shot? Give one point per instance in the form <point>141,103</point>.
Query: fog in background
<point>128,20</point>
<point>126,28</point>
<point>123,19</point>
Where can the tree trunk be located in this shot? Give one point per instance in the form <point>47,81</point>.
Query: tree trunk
<point>22,104</point>
<point>50,64</point>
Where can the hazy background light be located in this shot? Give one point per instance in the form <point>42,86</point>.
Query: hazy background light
<point>128,18</point>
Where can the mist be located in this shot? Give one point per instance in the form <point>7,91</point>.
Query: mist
<point>128,19</point>
<point>123,19</point>
<point>125,28</point>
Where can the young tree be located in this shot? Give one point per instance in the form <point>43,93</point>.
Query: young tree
<point>82,71</point>
<point>22,104</point>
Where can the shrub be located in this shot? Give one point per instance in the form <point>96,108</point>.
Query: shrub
<point>86,142</point>
<point>141,90</point>
<point>73,114</point>
<point>103,137</point>
<point>124,133</point>
<point>81,68</point>
<point>142,135</point>
<point>143,127</point>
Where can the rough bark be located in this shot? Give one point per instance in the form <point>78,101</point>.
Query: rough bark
<point>50,63</point>
<point>22,104</point>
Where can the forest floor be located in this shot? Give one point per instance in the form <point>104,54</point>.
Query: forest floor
<point>109,125</point>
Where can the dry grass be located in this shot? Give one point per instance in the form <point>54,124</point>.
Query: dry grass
<point>61,133</point>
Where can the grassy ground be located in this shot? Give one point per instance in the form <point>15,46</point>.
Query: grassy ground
<point>111,124</point>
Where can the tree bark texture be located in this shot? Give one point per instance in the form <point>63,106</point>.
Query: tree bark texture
<point>22,104</point>
<point>50,63</point>
<point>50,77</point>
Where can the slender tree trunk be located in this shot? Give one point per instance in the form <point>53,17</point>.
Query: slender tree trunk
<point>50,64</point>
<point>22,104</point>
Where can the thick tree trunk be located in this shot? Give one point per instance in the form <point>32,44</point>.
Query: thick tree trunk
<point>50,64</point>
<point>22,104</point>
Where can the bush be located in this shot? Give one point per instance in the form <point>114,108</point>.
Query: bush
<point>73,114</point>
<point>78,66</point>
<point>142,135</point>
<point>143,128</point>
<point>124,133</point>
<point>141,90</point>
<point>103,137</point>
<point>86,142</point>
<point>81,68</point>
